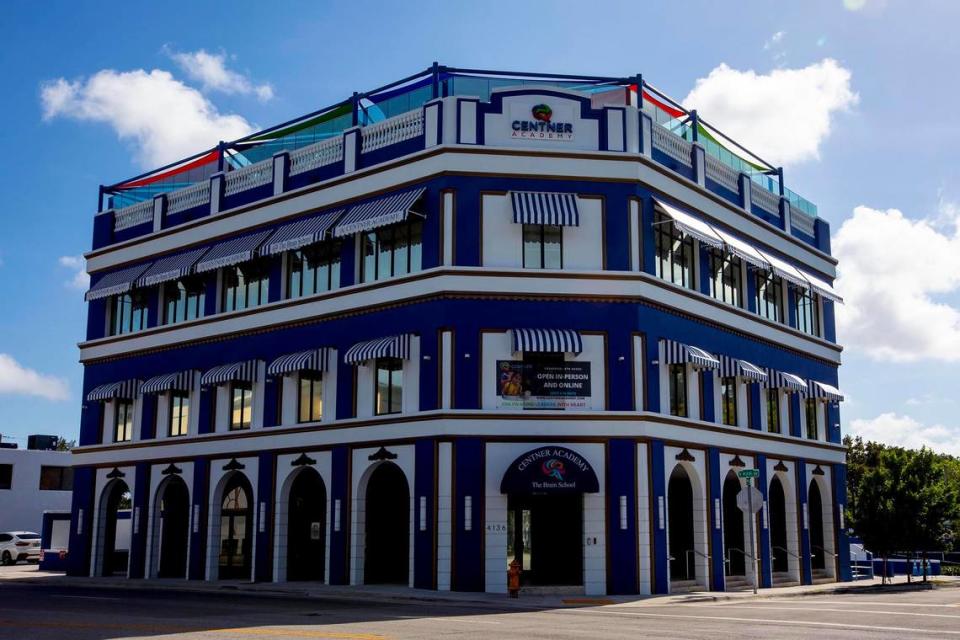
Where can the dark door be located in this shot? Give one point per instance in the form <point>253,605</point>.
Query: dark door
<point>306,527</point>
<point>733,542</point>
<point>387,528</point>
<point>114,560</point>
<point>778,526</point>
<point>680,513</point>
<point>236,529</point>
<point>174,529</point>
<point>546,534</point>
<point>815,508</point>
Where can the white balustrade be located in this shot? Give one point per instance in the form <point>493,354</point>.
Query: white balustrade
<point>189,197</point>
<point>249,177</point>
<point>765,199</point>
<point>672,145</point>
<point>316,155</point>
<point>803,222</point>
<point>133,215</point>
<point>396,129</point>
<point>723,174</point>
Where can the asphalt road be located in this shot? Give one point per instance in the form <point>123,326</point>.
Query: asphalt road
<point>42,612</point>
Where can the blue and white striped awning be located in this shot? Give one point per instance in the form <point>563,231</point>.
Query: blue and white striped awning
<point>390,347</point>
<point>313,360</point>
<point>543,207</point>
<point>233,251</point>
<point>171,268</point>
<point>824,390</point>
<point>179,381</point>
<point>786,270</point>
<point>301,233</point>
<point>690,224</point>
<point>244,371</point>
<point>126,389</point>
<point>115,283</point>
<point>546,341</point>
<point>378,213</point>
<point>788,381</point>
<point>679,353</point>
<point>736,368</point>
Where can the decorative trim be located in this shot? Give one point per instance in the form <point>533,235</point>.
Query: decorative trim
<point>234,465</point>
<point>303,461</point>
<point>116,473</point>
<point>781,467</point>
<point>817,471</point>
<point>172,469</point>
<point>737,462</point>
<point>685,456</point>
<point>382,454</point>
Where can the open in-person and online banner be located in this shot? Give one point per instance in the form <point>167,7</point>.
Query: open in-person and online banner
<point>535,385</point>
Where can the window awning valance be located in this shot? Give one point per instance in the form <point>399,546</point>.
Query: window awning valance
<point>247,371</point>
<point>544,207</point>
<point>824,390</point>
<point>312,360</point>
<point>179,381</point>
<point>679,353</point>
<point>390,347</point>
<point>233,251</point>
<point>546,341</point>
<point>789,381</point>
<point>115,283</point>
<point>786,271</point>
<point>171,267</point>
<point>378,213</point>
<point>736,368</point>
<point>301,233</point>
<point>126,389</point>
<point>691,224</point>
<point>743,250</point>
<point>820,286</point>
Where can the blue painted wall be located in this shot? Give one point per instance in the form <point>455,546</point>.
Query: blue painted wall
<point>622,558</point>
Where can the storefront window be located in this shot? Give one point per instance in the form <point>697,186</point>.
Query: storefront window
<point>678,390</point>
<point>313,270</point>
<point>674,259</point>
<point>542,246</point>
<point>728,400</point>
<point>391,251</point>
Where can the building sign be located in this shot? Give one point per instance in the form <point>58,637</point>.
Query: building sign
<point>530,385</point>
<point>541,125</point>
<point>550,469</point>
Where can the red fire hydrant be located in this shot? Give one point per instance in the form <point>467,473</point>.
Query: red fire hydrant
<point>513,579</point>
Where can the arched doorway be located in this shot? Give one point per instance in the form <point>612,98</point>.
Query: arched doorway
<point>306,527</point>
<point>387,528</point>
<point>683,559</point>
<point>815,509</point>
<point>236,529</point>
<point>174,523</point>
<point>777,503</point>
<point>115,525</point>
<point>733,527</point>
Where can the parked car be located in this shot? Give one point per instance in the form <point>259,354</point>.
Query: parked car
<point>19,545</point>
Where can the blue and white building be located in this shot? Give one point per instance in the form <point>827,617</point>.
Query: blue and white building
<point>463,319</point>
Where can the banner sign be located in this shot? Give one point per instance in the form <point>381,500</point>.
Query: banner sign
<point>550,469</point>
<point>528,385</point>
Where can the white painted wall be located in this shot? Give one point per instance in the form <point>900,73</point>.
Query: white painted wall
<point>445,511</point>
<point>644,523</point>
<point>22,505</point>
<point>697,472</point>
<point>498,130</point>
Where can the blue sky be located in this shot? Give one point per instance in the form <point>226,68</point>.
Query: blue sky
<point>865,85</point>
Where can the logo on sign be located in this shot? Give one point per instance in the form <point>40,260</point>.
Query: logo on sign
<point>542,126</point>
<point>542,112</point>
<point>553,468</point>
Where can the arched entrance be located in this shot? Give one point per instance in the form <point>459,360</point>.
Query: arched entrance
<point>306,527</point>
<point>733,527</point>
<point>683,559</point>
<point>115,548</point>
<point>236,529</point>
<point>173,511</point>
<point>815,509</point>
<point>777,503</point>
<point>387,527</point>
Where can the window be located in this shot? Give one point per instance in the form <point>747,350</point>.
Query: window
<point>310,397</point>
<point>810,408</point>
<point>56,478</point>
<point>313,269</point>
<point>808,311</point>
<point>674,260</point>
<point>725,276</point>
<point>6,476</point>
<point>246,285</point>
<point>241,403</point>
<point>128,313</point>
<point>183,300</point>
<point>179,413</point>
<point>769,295</point>
<point>728,400</point>
<point>678,390</point>
<point>391,251</point>
<point>389,386</point>
<point>542,246</point>
<point>773,410</point>
<point>123,425</point>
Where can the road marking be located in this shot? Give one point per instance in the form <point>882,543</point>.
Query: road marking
<point>872,611</point>
<point>250,631</point>
<point>296,633</point>
<point>883,602</point>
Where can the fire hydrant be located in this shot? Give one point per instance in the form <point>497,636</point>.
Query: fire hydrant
<point>513,579</point>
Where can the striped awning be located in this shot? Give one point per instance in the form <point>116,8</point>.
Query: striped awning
<point>313,360</point>
<point>679,353</point>
<point>115,283</point>
<point>171,268</point>
<point>378,213</point>
<point>543,207</point>
<point>788,381</point>
<point>233,251</point>
<point>742,249</point>
<point>301,233</point>
<point>822,287</point>
<point>179,381</point>
<point>786,271</point>
<point>245,371</point>
<point>546,341</point>
<point>691,225</point>
<point>736,368</point>
<point>126,389</point>
<point>824,390</point>
<point>390,347</point>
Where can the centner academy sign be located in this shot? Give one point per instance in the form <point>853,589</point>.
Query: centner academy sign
<point>541,126</point>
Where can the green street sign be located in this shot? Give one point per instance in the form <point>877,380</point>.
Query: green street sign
<point>749,473</point>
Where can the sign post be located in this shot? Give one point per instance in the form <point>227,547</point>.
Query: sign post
<point>748,475</point>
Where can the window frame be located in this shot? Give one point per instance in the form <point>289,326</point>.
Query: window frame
<point>720,264</point>
<point>191,293</point>
<point>807,311</point>
<point>6,476</point>
<point>540,230</point>
<point>669,241</point>
<point>64,477</point>
<point>122,319</point>
<point>811,405</point>
<point>374,239</point>
<point>251,278</point>
<point>183,422</point>
<point>728,394</point>
<point>127,405</point>
<point>392,366</point>
<point>677,373</point>
<point>315,380</point>
<point>312,259</point>
<point>774,423</point>
<point>246,404</point>
<point>765,303</point>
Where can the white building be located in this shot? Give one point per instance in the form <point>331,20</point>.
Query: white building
<point>32,482</point>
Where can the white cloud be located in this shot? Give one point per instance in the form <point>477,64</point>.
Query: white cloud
<point>891,268</point>
<point>79,280</point>
<point>784,115</point>
<point>162,117</point>
<point>211,70</point>
<point>16,379</point>
<point>854,5</point>
<point>904,431</point>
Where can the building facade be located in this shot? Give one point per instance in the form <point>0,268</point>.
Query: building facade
<point>31,482</point>
<point>467,318</point>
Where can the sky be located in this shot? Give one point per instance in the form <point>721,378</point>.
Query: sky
<point>853,97</point>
